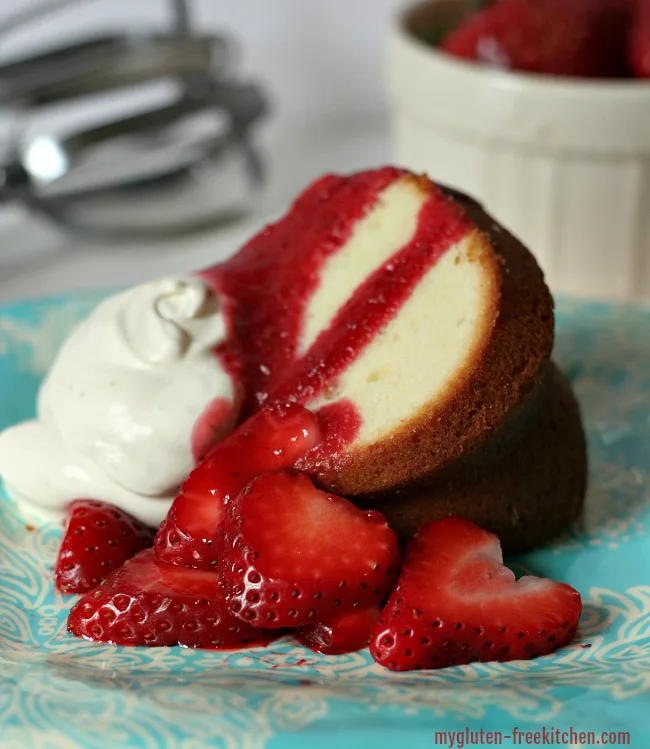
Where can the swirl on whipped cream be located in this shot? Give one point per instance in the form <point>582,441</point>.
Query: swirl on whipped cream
<point>133,391</point>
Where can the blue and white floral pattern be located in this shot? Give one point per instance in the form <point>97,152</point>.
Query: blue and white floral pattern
<point>57,692</point>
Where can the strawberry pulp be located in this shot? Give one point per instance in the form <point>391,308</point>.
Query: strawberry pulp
<point>271,440</point>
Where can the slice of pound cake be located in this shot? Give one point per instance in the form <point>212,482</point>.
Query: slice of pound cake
<point>420,331</point>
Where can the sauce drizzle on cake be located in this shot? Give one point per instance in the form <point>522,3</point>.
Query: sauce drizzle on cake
<point>269,283</point>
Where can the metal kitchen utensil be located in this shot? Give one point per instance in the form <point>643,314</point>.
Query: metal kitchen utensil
<point>108,63</point>
<point>143,175</point>
<point>178,167</point>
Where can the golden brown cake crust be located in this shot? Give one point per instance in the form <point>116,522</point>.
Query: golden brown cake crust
<point>526,486</point>
<point>505,369</point>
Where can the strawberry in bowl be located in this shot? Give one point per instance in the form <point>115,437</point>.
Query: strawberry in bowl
<point>578,38</point>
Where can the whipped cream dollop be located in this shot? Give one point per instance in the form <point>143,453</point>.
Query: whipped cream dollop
<point>135,392</point>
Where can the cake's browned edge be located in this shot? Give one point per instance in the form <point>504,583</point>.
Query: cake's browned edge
<point>527,485</point>
<point>505,369</point>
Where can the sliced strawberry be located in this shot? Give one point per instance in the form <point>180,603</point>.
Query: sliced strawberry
<point>456,603</point>
<point>268,441</point>
<point>294,555</point>
<point>555,37</point>
<point>98,538</point>
<point>148,602</point>
<point>341,634</point>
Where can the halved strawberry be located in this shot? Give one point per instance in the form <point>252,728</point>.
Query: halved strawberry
<point>456,603</point>
<point>98,538</point>
<point>341,634</point>
<point>294,555</point>
<point>270,440</point>
<point>148,602</point>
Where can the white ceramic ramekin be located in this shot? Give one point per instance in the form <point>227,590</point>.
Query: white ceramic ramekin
<point>564,163</point>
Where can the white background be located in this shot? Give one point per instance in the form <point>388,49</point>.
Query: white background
<point>322,64</point>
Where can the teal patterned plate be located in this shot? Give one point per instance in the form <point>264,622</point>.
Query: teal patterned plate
<point>56,691</point>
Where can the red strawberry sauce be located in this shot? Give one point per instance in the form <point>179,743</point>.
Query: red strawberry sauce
<point>268,283</point>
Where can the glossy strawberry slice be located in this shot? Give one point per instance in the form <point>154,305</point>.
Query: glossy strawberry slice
<point>148,602</point>
<point>341,634</point>
<point>295,556</point>
<point>270,440</point>
<point>456,603</point>
<point>98,538</point>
